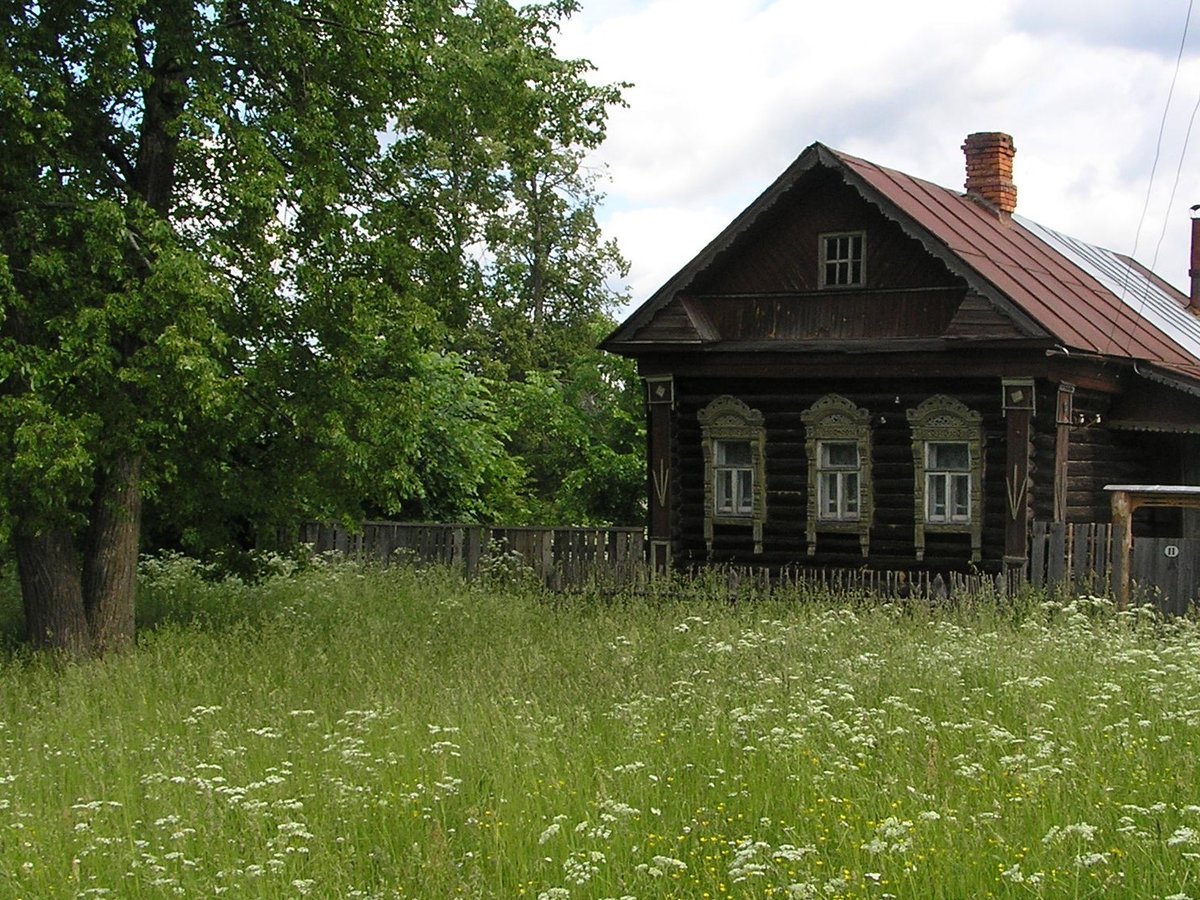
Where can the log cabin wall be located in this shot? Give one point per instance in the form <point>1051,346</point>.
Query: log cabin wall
<point>892,535</point>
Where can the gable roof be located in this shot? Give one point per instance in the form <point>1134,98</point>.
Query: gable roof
<point>1084,298</point>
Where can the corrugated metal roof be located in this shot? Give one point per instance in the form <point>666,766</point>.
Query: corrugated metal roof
<point>1077,293</point>
<point>1129,283</point>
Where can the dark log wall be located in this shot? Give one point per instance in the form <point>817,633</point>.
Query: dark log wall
<point>1101,455</point>
<point>892,536</point>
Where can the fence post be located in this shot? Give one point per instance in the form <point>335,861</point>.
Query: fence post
<point>1120,564</point>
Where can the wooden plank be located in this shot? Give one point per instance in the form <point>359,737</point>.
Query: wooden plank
<point>1081,574</point>
<point>473,552</point>
<point>1037,559</point>
<point>1056,562</point>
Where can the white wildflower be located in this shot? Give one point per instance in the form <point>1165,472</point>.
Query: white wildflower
<point>1183,835</point>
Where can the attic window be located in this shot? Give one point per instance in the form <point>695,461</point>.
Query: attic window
<point>842,259</point>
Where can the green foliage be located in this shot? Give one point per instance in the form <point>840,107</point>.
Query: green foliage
<point>579,434</point>
<point>288,258</point>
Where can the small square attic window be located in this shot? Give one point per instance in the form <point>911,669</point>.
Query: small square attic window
<point>842,259</point>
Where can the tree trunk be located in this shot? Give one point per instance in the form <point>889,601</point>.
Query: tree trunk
<point>85,607</point>
<point>110,563</point>
<point>51,590</point>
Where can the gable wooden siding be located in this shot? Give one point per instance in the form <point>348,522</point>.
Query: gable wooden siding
<point>780,252</point>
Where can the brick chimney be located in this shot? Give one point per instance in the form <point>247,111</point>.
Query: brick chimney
<point>1194,303</point>
<point>989,169</point>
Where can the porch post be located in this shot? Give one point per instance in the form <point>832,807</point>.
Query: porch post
<point>1019,400</point>
<point>660,400</point>
<point>1122,520</point>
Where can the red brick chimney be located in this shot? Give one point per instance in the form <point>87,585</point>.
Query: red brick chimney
<point>1194,303</point>
<point>989,169</point>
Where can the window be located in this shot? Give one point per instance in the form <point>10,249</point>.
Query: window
<point>947,482</point>
<point>837,481</point>
<point>734,446</point>
<point>842,259</point>
<point>948,471</point>
<point>838,446</point>
<point>733,472</point>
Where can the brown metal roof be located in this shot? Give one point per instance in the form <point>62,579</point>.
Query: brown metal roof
<point>1082,297</point>
<point>1053,289</point>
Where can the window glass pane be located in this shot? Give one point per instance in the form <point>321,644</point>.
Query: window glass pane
<point>839,453</point>
<point>936,499</point>
<point>947,456</point>
<point>962,496</point>
<point>745,490</point>
<point>843,258</point>
<point>851,485</point>
<point>733,453</point>
<point>724,490</point>
<point>829,493</point>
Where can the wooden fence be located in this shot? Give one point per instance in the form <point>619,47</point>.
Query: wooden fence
<point>1087,559</point>
<point>1075,558</point>
<point>559,557</point>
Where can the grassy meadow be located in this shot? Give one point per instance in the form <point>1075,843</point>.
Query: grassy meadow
<point>349,732</point>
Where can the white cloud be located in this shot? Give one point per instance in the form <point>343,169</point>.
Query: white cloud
<point>726,94</point>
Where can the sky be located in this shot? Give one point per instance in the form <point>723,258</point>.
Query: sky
<point>725,94</point>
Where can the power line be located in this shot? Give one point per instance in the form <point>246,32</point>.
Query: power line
<point>1162,127</point>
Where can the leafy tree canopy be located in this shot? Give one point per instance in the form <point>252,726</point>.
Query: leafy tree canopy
<point>252,253</point>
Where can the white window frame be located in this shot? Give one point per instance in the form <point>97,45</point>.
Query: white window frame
<point>955,486</point>
<point>838,250</point>
<point>845,480</point>
<point>733,483</point>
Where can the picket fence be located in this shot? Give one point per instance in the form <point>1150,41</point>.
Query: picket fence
<point>1069,558</point>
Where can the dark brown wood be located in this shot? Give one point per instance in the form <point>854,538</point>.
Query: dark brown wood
<point>660,476</point>
<point>52,591</point>
<point>1056,565</point>
<point>110,563</point>
<point>1019,401</point>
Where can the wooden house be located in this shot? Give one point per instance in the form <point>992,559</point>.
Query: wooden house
<point>867,369</point>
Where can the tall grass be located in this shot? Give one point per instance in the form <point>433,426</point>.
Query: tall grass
<point>349,732</point>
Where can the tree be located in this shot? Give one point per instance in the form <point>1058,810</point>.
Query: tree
<point>229,227</point>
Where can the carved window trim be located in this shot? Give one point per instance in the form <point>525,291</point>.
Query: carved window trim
<point>834,419</point>
<point>942,419</point>
<point>729,419</point>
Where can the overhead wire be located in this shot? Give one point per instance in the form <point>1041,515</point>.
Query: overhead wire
<point>1162,127</point>
<point>1178,173</point>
